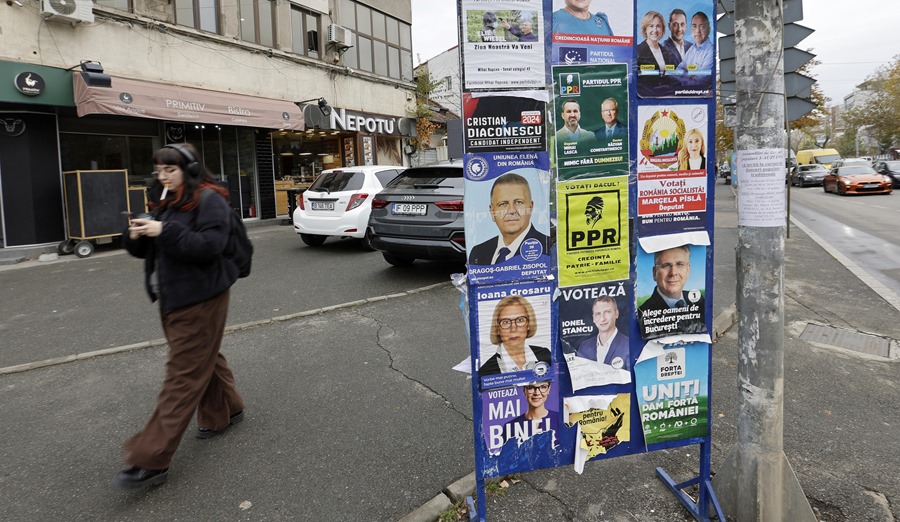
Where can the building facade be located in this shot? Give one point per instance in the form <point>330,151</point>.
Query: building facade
<point>270,91</point>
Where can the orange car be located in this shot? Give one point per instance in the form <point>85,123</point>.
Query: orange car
<point>856,179</point>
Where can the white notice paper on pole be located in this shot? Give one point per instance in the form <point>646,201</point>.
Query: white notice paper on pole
<point>761,192</point>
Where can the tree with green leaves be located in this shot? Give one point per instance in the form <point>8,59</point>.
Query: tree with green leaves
<point>878,117</point>
<point>423,112</point>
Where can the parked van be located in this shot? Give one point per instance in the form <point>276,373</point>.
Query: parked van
<point>824,157</point>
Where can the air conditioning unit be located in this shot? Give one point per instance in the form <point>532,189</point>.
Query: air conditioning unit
<point>340,36</point>
<point>76,11</point>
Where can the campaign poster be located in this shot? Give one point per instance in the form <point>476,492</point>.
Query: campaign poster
<point>603,422</point>
<point>672,168</point>
<point>507,216</point>
<point>503,44</point>
<point>676,53</point>
<point>594,323</point>
<point>516,414</point>
<point>504,122</point>
<point>592,231</point>
<point>602,33</point>
<point>515,331</point>
<point>591,104</point>
<point>671,284</point>
<point>672,383</point>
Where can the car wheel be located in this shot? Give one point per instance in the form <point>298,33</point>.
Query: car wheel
<point>825,187</point>
<point>398,260</point>
<point>841,189</point>
<point>313,240</point>
<point>367,244</point>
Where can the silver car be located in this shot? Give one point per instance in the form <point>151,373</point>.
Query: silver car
<point>808,175</point>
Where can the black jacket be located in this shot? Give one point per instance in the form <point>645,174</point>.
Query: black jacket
<point>187,255</point>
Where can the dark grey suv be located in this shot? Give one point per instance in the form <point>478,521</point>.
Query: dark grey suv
<point>419,215</point>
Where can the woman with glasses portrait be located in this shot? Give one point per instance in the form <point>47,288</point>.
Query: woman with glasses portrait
<point>514,322</point>
<point>538,418</point>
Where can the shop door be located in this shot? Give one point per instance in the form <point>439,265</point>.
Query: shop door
<point>30,187</point>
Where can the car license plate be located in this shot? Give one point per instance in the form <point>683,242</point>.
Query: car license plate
<point>323,205</point>
<point>412,209</point>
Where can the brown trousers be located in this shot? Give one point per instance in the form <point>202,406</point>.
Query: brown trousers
<point>197,379</point>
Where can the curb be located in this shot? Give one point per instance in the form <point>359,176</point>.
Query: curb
<point>228,330</point>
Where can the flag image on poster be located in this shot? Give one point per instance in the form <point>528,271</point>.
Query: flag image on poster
<point>603,422</point>
<point>671,284</point>
<point>515,332</point>
<point>507,216</point>
<point>673,390</point>
<point>591,122</point>
<point>516,414</point>
<point>592,232</point>
<point>603,33</point>
<point>502,122</point>
<point>662,142</point>
<point>503,44</point>
<point>594,327</point>
<point>675,55</point>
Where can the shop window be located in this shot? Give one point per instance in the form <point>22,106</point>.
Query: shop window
<point>199,14</point>
<point>258,21</point>
<point>305,32</point>
<point>104,152</point>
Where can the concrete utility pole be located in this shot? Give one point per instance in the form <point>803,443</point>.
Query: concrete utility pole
<point>756,482</point>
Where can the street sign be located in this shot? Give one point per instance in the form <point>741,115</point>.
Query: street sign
<point>795,33</point>
<point>796,84</point>
<point>798,108</point>
<point>726,70</point>
<point>795,58</point>
<point>728,93</point>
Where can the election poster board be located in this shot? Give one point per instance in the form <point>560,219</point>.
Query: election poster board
<point>497,56</point>
<point>591,121</point>
<point>500,122</point>
<point>507,216</point>
<point>592,232</point>
<point>675,55</point>
<point>604,36</point>
<point>618,195</point>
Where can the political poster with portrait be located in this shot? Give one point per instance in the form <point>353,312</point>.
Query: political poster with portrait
<point>585,33</point>
<point>505,121</point>
<point>672,168</point>
<point>594,323</point>
<point>676,54</point>
<point>672,383</point>
<point>516,415</point>
<point>507,216</point>
<point>592,231</point>
<point>591,104</point>
<point>503,44</point>
<point>670,291</point>
<point>603,423</point>
<point>515,334</point>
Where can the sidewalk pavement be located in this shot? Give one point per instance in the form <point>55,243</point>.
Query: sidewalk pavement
<point>395,430</point>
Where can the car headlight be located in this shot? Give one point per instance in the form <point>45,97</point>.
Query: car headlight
<point>887,179</point>
<point>846,181</point>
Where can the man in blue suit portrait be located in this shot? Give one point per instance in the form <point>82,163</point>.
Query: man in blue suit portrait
<point>511,208</point>
<point>609,346</point>
<point>612,128</point>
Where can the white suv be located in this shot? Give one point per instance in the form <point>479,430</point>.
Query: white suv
<point>339,202</point>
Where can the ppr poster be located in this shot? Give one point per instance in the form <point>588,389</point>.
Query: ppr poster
<point>602,33</point>
<point>676,54</point>
<point>507,216</point>
<point>672,383</point>
<point>505,121</point>
<point>591,105</point>
<point>592,231</point>
<point>502,44</point>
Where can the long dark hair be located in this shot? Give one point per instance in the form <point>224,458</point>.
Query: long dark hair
<point>187,197</point>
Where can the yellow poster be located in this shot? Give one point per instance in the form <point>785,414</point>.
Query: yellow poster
<point>603,429</point>
<point>592,236</point>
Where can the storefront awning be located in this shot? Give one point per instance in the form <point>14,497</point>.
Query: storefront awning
<point>185,104</point>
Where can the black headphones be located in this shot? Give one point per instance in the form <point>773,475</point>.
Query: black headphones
<point>193,166</point>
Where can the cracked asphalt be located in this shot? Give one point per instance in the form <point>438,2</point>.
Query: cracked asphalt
<point>354,414</point>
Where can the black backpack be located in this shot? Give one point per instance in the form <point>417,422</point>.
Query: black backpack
<point>239,249</point>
